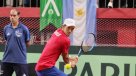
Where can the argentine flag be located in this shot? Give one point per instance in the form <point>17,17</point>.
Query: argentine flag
<point>84,13</point>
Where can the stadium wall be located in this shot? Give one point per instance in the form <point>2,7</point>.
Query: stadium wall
<point>101,12</point>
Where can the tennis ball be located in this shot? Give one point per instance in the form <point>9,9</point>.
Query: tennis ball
<point>67,66</point>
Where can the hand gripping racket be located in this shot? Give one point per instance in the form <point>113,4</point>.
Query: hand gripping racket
<point>87,44</point>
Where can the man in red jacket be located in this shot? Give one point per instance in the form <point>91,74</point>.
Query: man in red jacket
<point>57,45</point>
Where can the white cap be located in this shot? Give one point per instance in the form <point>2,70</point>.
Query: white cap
<point>69,22</point>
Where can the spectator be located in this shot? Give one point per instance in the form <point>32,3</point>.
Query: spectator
<point>14,3</point>
<point>103,3</point>
<point>20,2</point>
<point>17,38</point>
<point>110,4</point>
<point>116,3</point>
<point>97,4</point>
<point>9,3</point>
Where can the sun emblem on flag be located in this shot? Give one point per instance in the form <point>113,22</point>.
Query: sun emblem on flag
<point>79,12</point>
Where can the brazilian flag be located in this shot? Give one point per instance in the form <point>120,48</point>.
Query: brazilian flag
<point>50,12</point>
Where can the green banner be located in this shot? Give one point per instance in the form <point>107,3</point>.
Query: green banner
<point>50,12</point>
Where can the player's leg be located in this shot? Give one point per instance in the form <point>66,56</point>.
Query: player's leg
<point>21,69</point>
<point>51,72</point>
<point>58,72</point>
<point>6,69</point>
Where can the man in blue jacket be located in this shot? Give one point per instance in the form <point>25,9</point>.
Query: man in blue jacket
<point>17,38</point>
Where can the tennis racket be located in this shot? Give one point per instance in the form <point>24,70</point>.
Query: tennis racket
<point>87,44</point>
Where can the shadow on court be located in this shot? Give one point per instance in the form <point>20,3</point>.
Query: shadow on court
<point>31,68</point>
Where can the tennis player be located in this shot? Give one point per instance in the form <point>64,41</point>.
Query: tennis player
<point>17,37</point>
<point>57,45</point>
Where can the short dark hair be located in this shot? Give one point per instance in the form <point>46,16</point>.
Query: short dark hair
<point>18,12</point>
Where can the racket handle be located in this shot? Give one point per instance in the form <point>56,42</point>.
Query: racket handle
<point>79,53</point>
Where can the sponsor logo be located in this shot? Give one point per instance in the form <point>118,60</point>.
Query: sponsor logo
<point>18,34</point>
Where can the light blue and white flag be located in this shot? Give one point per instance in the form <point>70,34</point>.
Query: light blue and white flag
<point>84,13</point>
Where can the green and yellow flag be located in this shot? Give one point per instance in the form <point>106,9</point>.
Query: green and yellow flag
<point>50,12</point>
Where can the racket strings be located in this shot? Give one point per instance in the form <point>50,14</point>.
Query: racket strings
<point>88,43</point>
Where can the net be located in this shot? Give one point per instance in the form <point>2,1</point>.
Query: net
<point>37,36</point>
<point>116,32</point>
<point>110,32</point>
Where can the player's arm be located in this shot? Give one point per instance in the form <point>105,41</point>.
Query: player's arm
<point>4,38</point>
<point>65,57</point>
<point>70,60</point>
<point>64,44</point>
<point>65,54</point>
<point>4,33</point>
<point>73,61</point>
<point>27,43</point>
<point>27,36</point>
